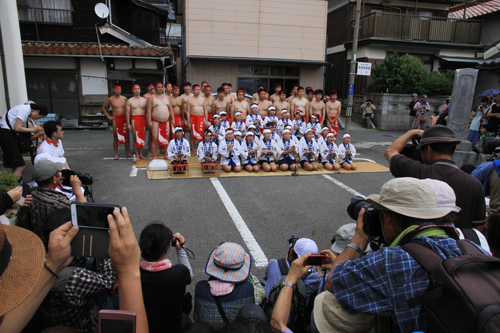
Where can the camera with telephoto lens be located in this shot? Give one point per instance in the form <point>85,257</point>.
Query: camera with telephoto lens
<point>371,220</point>
<point>85,178</point>
<point>410,150</point>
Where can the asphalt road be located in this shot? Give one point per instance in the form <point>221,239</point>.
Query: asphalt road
<point>273,208</point>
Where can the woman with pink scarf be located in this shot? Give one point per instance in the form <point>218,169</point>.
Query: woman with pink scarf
<point>164,284</point>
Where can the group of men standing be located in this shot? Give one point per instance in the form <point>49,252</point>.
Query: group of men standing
<point>163,108</point>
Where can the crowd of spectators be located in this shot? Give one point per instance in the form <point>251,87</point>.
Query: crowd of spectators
<point>360,285</point>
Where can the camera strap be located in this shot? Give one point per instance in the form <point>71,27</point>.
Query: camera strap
<point>221,309</point>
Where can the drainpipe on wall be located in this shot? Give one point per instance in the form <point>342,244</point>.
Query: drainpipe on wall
<point>184,64</point>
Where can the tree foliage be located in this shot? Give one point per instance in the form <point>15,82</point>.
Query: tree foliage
<point>8,181</point>
<point>407,74</point>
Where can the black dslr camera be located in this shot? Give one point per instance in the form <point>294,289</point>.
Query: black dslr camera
<point>85,178</point>
<point>411,151</point>
<point>371,220</point>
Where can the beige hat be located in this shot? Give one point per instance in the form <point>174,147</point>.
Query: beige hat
<point>330,317</point>
<point>409,197</point>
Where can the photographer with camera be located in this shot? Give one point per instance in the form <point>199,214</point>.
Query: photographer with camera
<point>421,109</point>
<point>368,109</point>
<point>53,144</point>
<point>45,199</point>
<point>389,282</point>
<point>296,249</point>
<point>437,146</point>
<point>163,283</point>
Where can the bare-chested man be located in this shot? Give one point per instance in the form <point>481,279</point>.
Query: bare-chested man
<point>159,111</point>
<point>119,118</point>
<point>203,85</point>
<point>176,101</point>
<point>264,105</point>
<point>255,97</point>
<point>136,120</point>
<point>240,105</point>
<point>281,103</point>
<point>168,89</point>
<point>294,94</point>
<point>333,109</point>
<point>229,98</point>
<point>310,99</point>
<point>318,107</point>
<point>276,96</point>
<point>300,103</point>
<point>151,91</point>
<point>196,116</point>
<point>220,104</point>
<point>209,101</point>
<point>185,96</point>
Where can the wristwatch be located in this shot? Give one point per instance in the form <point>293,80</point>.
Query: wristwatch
<point>289,284</point>
<point>357,248</point>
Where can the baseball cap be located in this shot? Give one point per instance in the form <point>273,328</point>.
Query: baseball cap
<point>414,95</point>
<point>305,246</point>
<point>409,197</point>
<point>347,135</point>
<point>46,169</point>
<point>424,96</point>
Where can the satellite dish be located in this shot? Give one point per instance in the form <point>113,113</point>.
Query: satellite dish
<point>101,10</point>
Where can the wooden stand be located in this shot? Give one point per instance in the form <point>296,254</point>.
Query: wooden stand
<point>179,170</point>
<point>210,169</point>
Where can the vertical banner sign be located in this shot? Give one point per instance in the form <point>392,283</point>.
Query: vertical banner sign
<point>364,68</point>
<point>351,89</point>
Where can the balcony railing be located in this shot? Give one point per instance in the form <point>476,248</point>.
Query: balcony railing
<point>45,15</point>
<point>419,28</point>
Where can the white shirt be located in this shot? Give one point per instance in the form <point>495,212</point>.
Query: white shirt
<point>482,240</point>
<point>298,132</point>
<point>239,126</point>
<point>282,124</point>
<point>325,149</point>
<point>251,118</point>
<point>225,123</point>
<point>316,127</point>
<point>174,146</point>
<point>50,149</point>
<point>284,145</point>
<point>218,131</point>
<point>245,148</point>
<point>207,149</point>
<point>306,146</point>
<point>342,149</point>
<point>17,112</point>
<point>225,153</point>
<point>269,145</point>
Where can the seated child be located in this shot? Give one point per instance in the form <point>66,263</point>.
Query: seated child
<point>346,153</point>
<point>178,148</point>
<point>225,123</point>
<point>271,117</point>
<point>254,119</point>
<point>217,130</point>
<point>268,151</point>
<point>249,152</point>
<point>329,153</point>
<point>308,151</point>
<point>230,150</point>
<point>207,150</point>
<point>283,122</point>
<point>238,124</point>
<point>287,151</point>
<point>298,124</point>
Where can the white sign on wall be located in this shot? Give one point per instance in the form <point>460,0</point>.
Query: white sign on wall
<point>364,68</point>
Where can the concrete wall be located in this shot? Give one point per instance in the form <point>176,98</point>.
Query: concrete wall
<point>294,29</point>
<point>214,72</point>
<point>392,113</point>
<point>312,76</point>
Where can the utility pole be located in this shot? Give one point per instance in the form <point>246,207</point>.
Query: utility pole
<point>352,71</point>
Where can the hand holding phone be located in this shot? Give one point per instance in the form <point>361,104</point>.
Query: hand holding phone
<point>111,321</point>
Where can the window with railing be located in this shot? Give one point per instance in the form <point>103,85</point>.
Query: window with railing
<point>250,77</point>
<point>45,11</point>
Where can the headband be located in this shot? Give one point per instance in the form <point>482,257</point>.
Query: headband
<point>196,86</point>
<point>158,84</point>
<point>176,88</point>
<point>149,85</point>
<point>116,86</point>
<point>225,86</point>
<point>186,85</point>
<point>301,89</point>
<point>135,85</point>
<point>240,90</point>
<point>208,87</point>
<point>169,84</point>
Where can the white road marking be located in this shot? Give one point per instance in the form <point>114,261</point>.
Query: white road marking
<point>258,255</point>
<point>344,186</point>
<point>133,172</point>
<point>120,158</point>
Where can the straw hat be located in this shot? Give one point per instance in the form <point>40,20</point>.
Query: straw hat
<point>22,255</point>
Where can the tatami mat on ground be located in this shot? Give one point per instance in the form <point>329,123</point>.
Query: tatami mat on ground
<point>195,170</point>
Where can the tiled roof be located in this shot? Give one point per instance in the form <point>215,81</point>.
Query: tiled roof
<point>478,8</point>
<point>93,49</point>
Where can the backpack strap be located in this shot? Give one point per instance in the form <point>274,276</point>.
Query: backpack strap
<point>305,276</point>
<point>221,309</point>
<point>283,266</point>
<point>471,235</point>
